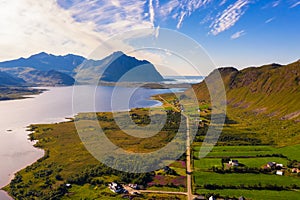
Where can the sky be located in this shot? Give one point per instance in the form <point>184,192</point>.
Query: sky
<point>238,33</point>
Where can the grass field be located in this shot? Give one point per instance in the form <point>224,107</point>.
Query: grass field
<point>233,179</point>
<point>269,130</point>
<point>254,194</point>
<point>90,192</point>
<point>250,156</point>
<point>66,160</point>
<point>254,141</point>
<point>236,151</point>
<point>292,152</point>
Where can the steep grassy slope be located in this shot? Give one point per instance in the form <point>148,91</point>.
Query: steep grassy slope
<point>272,90</point>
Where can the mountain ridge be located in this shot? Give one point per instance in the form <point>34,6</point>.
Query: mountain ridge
<point>117,67</point>
<point>273,89</point>
<point>45,62</point>
<point>112,67</point>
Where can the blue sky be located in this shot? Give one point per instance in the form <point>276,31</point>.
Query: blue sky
<point>236,33</point>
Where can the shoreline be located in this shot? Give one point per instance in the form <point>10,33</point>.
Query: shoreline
<point>3,193</point>
<point>27,93</point>
<point>148,85</point>
<point>5,196</point>
<point>18,93</point>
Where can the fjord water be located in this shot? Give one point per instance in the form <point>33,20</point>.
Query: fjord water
<point>52,106</point>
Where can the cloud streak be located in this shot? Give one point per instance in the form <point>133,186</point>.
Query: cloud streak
<point>295,4</point>
<point>276,3</point>
<point>269,20</point>
<point>229,17</point>
<point>238,34</point>
<point>181,9</point>
<point>112,17</point>
<point>33,26</point>
<point>151,12</point>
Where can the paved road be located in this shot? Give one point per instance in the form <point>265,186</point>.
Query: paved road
<point>131,190</point>
<point>188,160</point>
<point>189,193</point>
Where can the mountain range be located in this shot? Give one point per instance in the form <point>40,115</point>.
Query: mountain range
<point>272,90</point>
<point>49,70</point>
<point>117,67</point>
<point>45,62</point>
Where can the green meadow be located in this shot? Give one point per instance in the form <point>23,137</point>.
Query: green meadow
<point>67,161</point>
<point>249,185</point>
<point>252,194</point>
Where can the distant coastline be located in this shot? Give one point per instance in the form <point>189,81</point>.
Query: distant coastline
<point>13,93</point>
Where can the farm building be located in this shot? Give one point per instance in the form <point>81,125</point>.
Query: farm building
<point>115,187</point>
<point>280,173</point>
<point>212,198</point>
<point>295,170</point>
<point>279,166</point>
<point>271,164</point>
<point>234,162</point>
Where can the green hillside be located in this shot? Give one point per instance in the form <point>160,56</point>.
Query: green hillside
<point>263,104</point>
<point>272,90</point>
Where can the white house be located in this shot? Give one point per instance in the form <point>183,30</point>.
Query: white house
<point>278,172</point>
<point>234,162</point>
<point>212,198</point>
<point>115,187</point>
<point>279,166</point>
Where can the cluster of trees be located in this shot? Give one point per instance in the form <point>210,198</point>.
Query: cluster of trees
<point>141,119</point>
<point>170,185</point>
<point>104,118</point>
<point>272,155</point>
<point>51,185</point>
<point>243,170</point>
<point>56,188</point>
<point>21,193</point>
<point>173,121</point>
<point>90,172</point>
<point>239,139</point>
<point>293,164</point>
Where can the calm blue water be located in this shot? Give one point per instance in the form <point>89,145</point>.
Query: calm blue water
<point>54,106</point>
<point>183,79</point>
<point>16,151</point>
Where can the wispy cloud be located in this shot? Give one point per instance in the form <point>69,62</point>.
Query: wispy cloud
<point>31,26</point>
<point>223,2</point>
<point>64,26</point>
<point>167,8</point>
<point>151,12</point>
<point>181,9</point>
<point>276,3</point>
<point>271,4</point>
<point>157,31</point>
<point>111,18</point>
<point>295,4</point>
<point>229,17</point>
<point>269,20</point>
<point>182,15</point>
<point>238,34</point>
